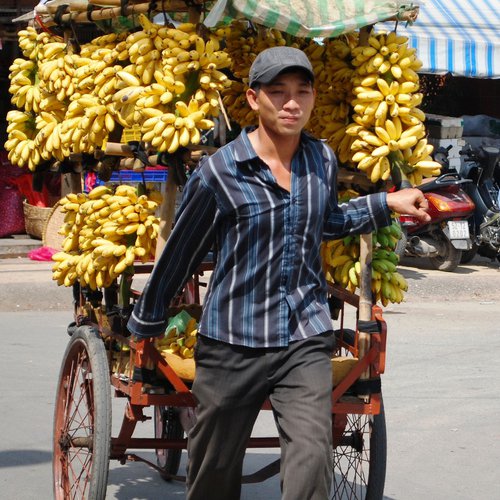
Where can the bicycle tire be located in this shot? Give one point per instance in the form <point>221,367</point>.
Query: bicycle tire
<point>359,462</point>
<point>82,419</point>
<point>167,426</point>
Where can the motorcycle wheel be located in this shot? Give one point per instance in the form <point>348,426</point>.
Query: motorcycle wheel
<point>468,255</point>
<point>448,258</point>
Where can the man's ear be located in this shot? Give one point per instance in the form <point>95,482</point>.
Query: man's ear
<point>252,96</point>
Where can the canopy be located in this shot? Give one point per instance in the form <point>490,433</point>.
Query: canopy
<point>309,18</point>
<point>461,37</point>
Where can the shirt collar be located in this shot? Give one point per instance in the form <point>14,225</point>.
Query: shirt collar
<point>244,151</point>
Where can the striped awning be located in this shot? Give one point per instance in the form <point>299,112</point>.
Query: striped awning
<point>461,37</point>
<point>308,18</point>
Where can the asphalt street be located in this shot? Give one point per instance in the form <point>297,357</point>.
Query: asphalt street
<point>440,389</point>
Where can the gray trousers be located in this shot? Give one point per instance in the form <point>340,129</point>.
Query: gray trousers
<point>231,384</point>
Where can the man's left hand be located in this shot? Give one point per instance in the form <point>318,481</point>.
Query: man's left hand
<point>409,202</point>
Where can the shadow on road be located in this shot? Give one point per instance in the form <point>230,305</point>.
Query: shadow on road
<point>16,458</point>
<point>138,481</point>
<point>464,269</point>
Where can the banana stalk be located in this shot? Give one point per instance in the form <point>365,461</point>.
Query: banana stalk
<point>399,170</point>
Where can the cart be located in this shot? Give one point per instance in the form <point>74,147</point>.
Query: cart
<point>83,441</point>
<point>103,361</point>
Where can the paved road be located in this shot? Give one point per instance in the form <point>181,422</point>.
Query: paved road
<point>441,389</point>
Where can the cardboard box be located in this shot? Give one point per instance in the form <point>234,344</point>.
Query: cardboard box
<point>443,127</point>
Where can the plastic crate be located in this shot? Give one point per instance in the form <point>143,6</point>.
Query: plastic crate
<point>147,176</point>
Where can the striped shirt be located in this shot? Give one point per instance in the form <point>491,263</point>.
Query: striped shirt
<point>268,287</point>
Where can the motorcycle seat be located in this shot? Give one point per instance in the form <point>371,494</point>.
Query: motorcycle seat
<point>444,180</point>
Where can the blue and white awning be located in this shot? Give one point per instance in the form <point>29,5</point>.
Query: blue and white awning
<point>461,37</point>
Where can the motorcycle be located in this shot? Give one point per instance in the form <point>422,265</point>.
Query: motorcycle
<point>481,166</point>
<point>443,239</point>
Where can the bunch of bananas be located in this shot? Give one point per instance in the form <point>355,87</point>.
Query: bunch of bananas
<point>188,64</point>
<point>117,78</point>
<point>109,48</point>
<point>243,43</point>
<point>171,107</point>
<point>28,39</point>
<point>21,136</point>
<point>105,232</point>
<point>24,85</point>
<point>169,131</point>
<point>333,81</point>
<point>31,42</point>
<point>40,85</point>
<point>180,341</point>
<point>87,124</point>
<point>48,138</point>
<point>387,123</point>
<point>57,75</point>
<point>342,266</point>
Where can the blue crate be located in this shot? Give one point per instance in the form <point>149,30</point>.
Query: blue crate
<point>147,176</point>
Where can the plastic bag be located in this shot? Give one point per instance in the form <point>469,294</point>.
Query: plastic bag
<point>42,253</point>
<point>309,19</point>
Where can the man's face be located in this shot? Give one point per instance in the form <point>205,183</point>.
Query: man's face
<point>284,105</point>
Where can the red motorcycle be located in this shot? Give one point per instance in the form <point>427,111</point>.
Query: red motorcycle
<point>443,239</point>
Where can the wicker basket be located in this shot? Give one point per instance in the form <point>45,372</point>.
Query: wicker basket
<point>55,220</point>
<point>35,219</point>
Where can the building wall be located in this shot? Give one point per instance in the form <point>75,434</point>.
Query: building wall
<point>456,96</point>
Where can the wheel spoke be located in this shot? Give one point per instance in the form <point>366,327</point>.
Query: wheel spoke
<point>72,403</point>
<point>79,418</point>
<point>351,462</point>
<point>80,463</point>
<point>80,485</point>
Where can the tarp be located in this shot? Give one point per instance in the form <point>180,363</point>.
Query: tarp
<point>461,37</point>
<point>308,18</point>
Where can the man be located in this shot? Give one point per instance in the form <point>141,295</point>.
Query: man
<point>266,201</point>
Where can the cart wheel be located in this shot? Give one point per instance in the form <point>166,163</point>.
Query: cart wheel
<point>359,461</point>
<point>82,419</point>
<point>168,426</point>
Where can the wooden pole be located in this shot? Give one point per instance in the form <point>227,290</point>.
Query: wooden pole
<point>167,213</point>
<point>167,208</point>
<point>365,258</point>
<point>365,295</point>
<point>101,14</point>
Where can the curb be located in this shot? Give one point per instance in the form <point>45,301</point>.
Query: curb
<point>18,246</point>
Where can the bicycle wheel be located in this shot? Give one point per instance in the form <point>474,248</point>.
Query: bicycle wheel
<point>168,426</point>
<point>82,419</point>
<point>359,461</point>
